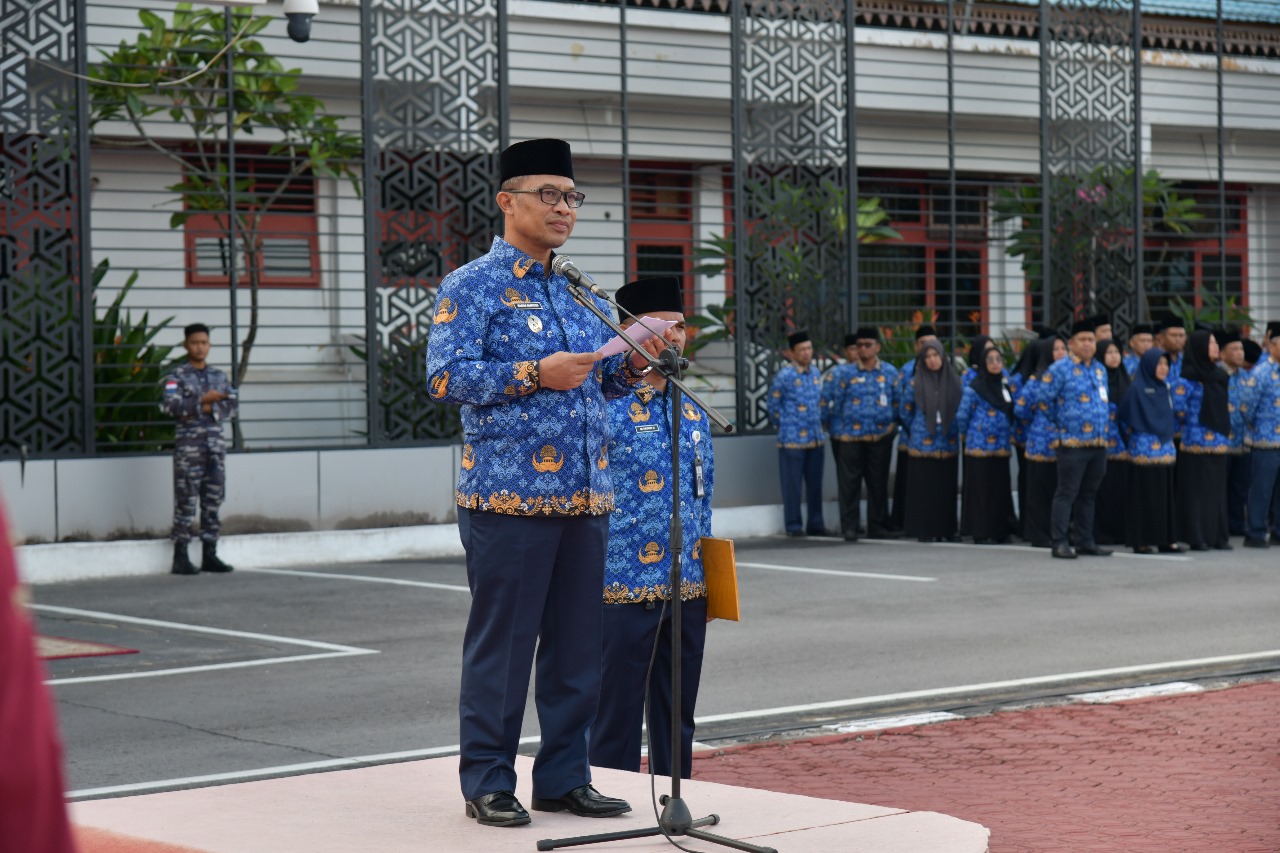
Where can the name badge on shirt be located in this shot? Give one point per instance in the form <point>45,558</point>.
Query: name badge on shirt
<point>1102,392</point>
<point>647,428</point>
<point>528,306</point>
<point>884,399</point>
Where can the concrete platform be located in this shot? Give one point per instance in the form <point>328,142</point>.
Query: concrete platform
<point>415,806</point>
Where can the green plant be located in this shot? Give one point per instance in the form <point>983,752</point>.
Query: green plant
<point>1085,238</point>
<point>263,99</point>
<point>792,234</point>
<point>128,367</point>
<point>1208,309</point>
<point>406,407</point>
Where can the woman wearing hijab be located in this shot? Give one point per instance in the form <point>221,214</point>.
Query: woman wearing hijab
<point>1042,441</point>
<point>977,350</point>
<point>1147,423</point>
<point>1200,405</point>
<point>985,420</point>
<point>929,405</point>
<point>1108,525</point>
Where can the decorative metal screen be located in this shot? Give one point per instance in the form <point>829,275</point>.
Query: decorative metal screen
<point>41,309</point>
<point>792,147</point>
<point>435,130</point>
<point>1090,102</point>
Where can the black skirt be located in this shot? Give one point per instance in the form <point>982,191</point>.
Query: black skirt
<point>1151,519</point>
<point>1042,482</point>
<point>1202,499</point>
<point>987,511</point>
<point>931,502</point>
<point>1109,509</point>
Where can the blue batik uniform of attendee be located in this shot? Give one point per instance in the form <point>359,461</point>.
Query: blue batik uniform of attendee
<point>1141,334</point>
<point>1074,390</point>
<point>795,409</point>
<point>860,415</point>
<point>1196,437</point>
<point>637,577</point>
<point>1240,460</point>
<point>533,495</point>
<point>987,431</point>
<point>1030,410</point>
<point>919,442</point>
<point>1130,362</point>
<point>1261,411</point>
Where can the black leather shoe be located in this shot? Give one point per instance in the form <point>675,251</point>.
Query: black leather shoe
<point>796,534</point>
<point>584,801</point>
<point>501,808</point>
<point>1145,549</point>
<point>1175,548</point>
<point>1256,543</point>
<point>884,534</point>
<point>1224,546</point>
<point>1063,552</point>
<point>851,537</point>
<point>1094,551</point>
<point>1199,546</point>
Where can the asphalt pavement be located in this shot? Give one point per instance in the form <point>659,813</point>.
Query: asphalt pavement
<point>285,671</point>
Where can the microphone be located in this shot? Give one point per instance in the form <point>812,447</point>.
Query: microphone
<point>567,268</point>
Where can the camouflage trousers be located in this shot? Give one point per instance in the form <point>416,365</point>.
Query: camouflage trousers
<point>199,473</point>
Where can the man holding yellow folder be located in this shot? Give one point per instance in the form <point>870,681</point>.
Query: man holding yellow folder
<point>638,567</point>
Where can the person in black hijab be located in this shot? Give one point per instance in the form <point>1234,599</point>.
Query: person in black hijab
<point>1109,510</point>
<point>985,421</point>
<point>1201,406</point>
<point>1147,423</point>
<point>932,398</point>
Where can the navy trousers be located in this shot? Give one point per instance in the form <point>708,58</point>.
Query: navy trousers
<point>1263,470</point>
<point>535,582</point>
<point>795,466</point>
<point>630,631</point>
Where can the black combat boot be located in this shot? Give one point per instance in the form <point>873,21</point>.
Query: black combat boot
<point>182,564</point>
<point>211,563</point>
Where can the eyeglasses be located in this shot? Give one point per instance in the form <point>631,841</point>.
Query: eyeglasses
<point>552,196</point>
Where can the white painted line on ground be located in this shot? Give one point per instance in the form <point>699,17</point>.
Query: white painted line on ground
<point>872,724</point>
<point>964,689</point>
<point>331,650</point>
<point>365,578</point>
<point>873,575</point>
<point>243,775</point>
<point>1124,694</point>
<point>1174,558</point>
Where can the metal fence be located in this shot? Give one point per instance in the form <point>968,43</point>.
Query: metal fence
<point>987,167</point>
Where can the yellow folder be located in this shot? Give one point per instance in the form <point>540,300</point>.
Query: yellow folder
<point>721,570</point>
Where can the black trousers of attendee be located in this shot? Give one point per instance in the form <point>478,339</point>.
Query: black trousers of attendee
<point>1151,520</point>
<point>1080,472</point>
<point>931,514</point>
<point>859,462</point>
<point>1202,499</point>
<point>1238,470</point>
<point>987,499</point>
<point>1037,502</point>
<point>630,631</point>
<point>898,518</point>
<point>1111,508</point>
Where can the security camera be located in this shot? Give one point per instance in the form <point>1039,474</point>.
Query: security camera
<point>300,13</point>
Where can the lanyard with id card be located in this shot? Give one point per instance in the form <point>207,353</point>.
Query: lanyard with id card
<point>699,481</point>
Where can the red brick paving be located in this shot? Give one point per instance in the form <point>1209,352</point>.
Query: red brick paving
<point>1197,772</point>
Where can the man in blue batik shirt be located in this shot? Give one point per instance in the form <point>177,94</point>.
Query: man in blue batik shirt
<point>795,409</point>
<point>513,348</point>
<point>860,414</point>
<point>1139,342</point>
<point>1075,391</point>
<point>638,569</point>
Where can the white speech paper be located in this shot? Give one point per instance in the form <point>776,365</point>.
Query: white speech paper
<point>637,333</point>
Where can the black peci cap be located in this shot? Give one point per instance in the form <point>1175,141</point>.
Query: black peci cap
<point>925,331</point>
<point>646,295</point>
<point>796,338</point>
<point>1252,350</point>
<point>536,157</point>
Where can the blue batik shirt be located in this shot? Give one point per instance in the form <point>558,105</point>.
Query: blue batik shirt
<point>858,404</point>
<point>904,379</point>
<point>987,431</point>
<point>1030,409</point>
<point>1075,394</point>
<point>180,400</point>
<point>1235,400</point>
<point>1130,362</point>
<point>639,562</point>
<point>1261,405</point>
<point>1148,449</point>
<point>795,407</point>
<point>1117,448</point>
<point>941,444</point>
<point>526,450</point>
<point>1196,438</point>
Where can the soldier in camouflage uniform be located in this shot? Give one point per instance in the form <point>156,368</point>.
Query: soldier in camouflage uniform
<point>200,397</point>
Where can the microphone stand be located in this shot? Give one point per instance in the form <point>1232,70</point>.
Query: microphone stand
<point>676,819</point>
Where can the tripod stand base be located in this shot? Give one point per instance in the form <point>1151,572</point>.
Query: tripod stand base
<point>675,822</point>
